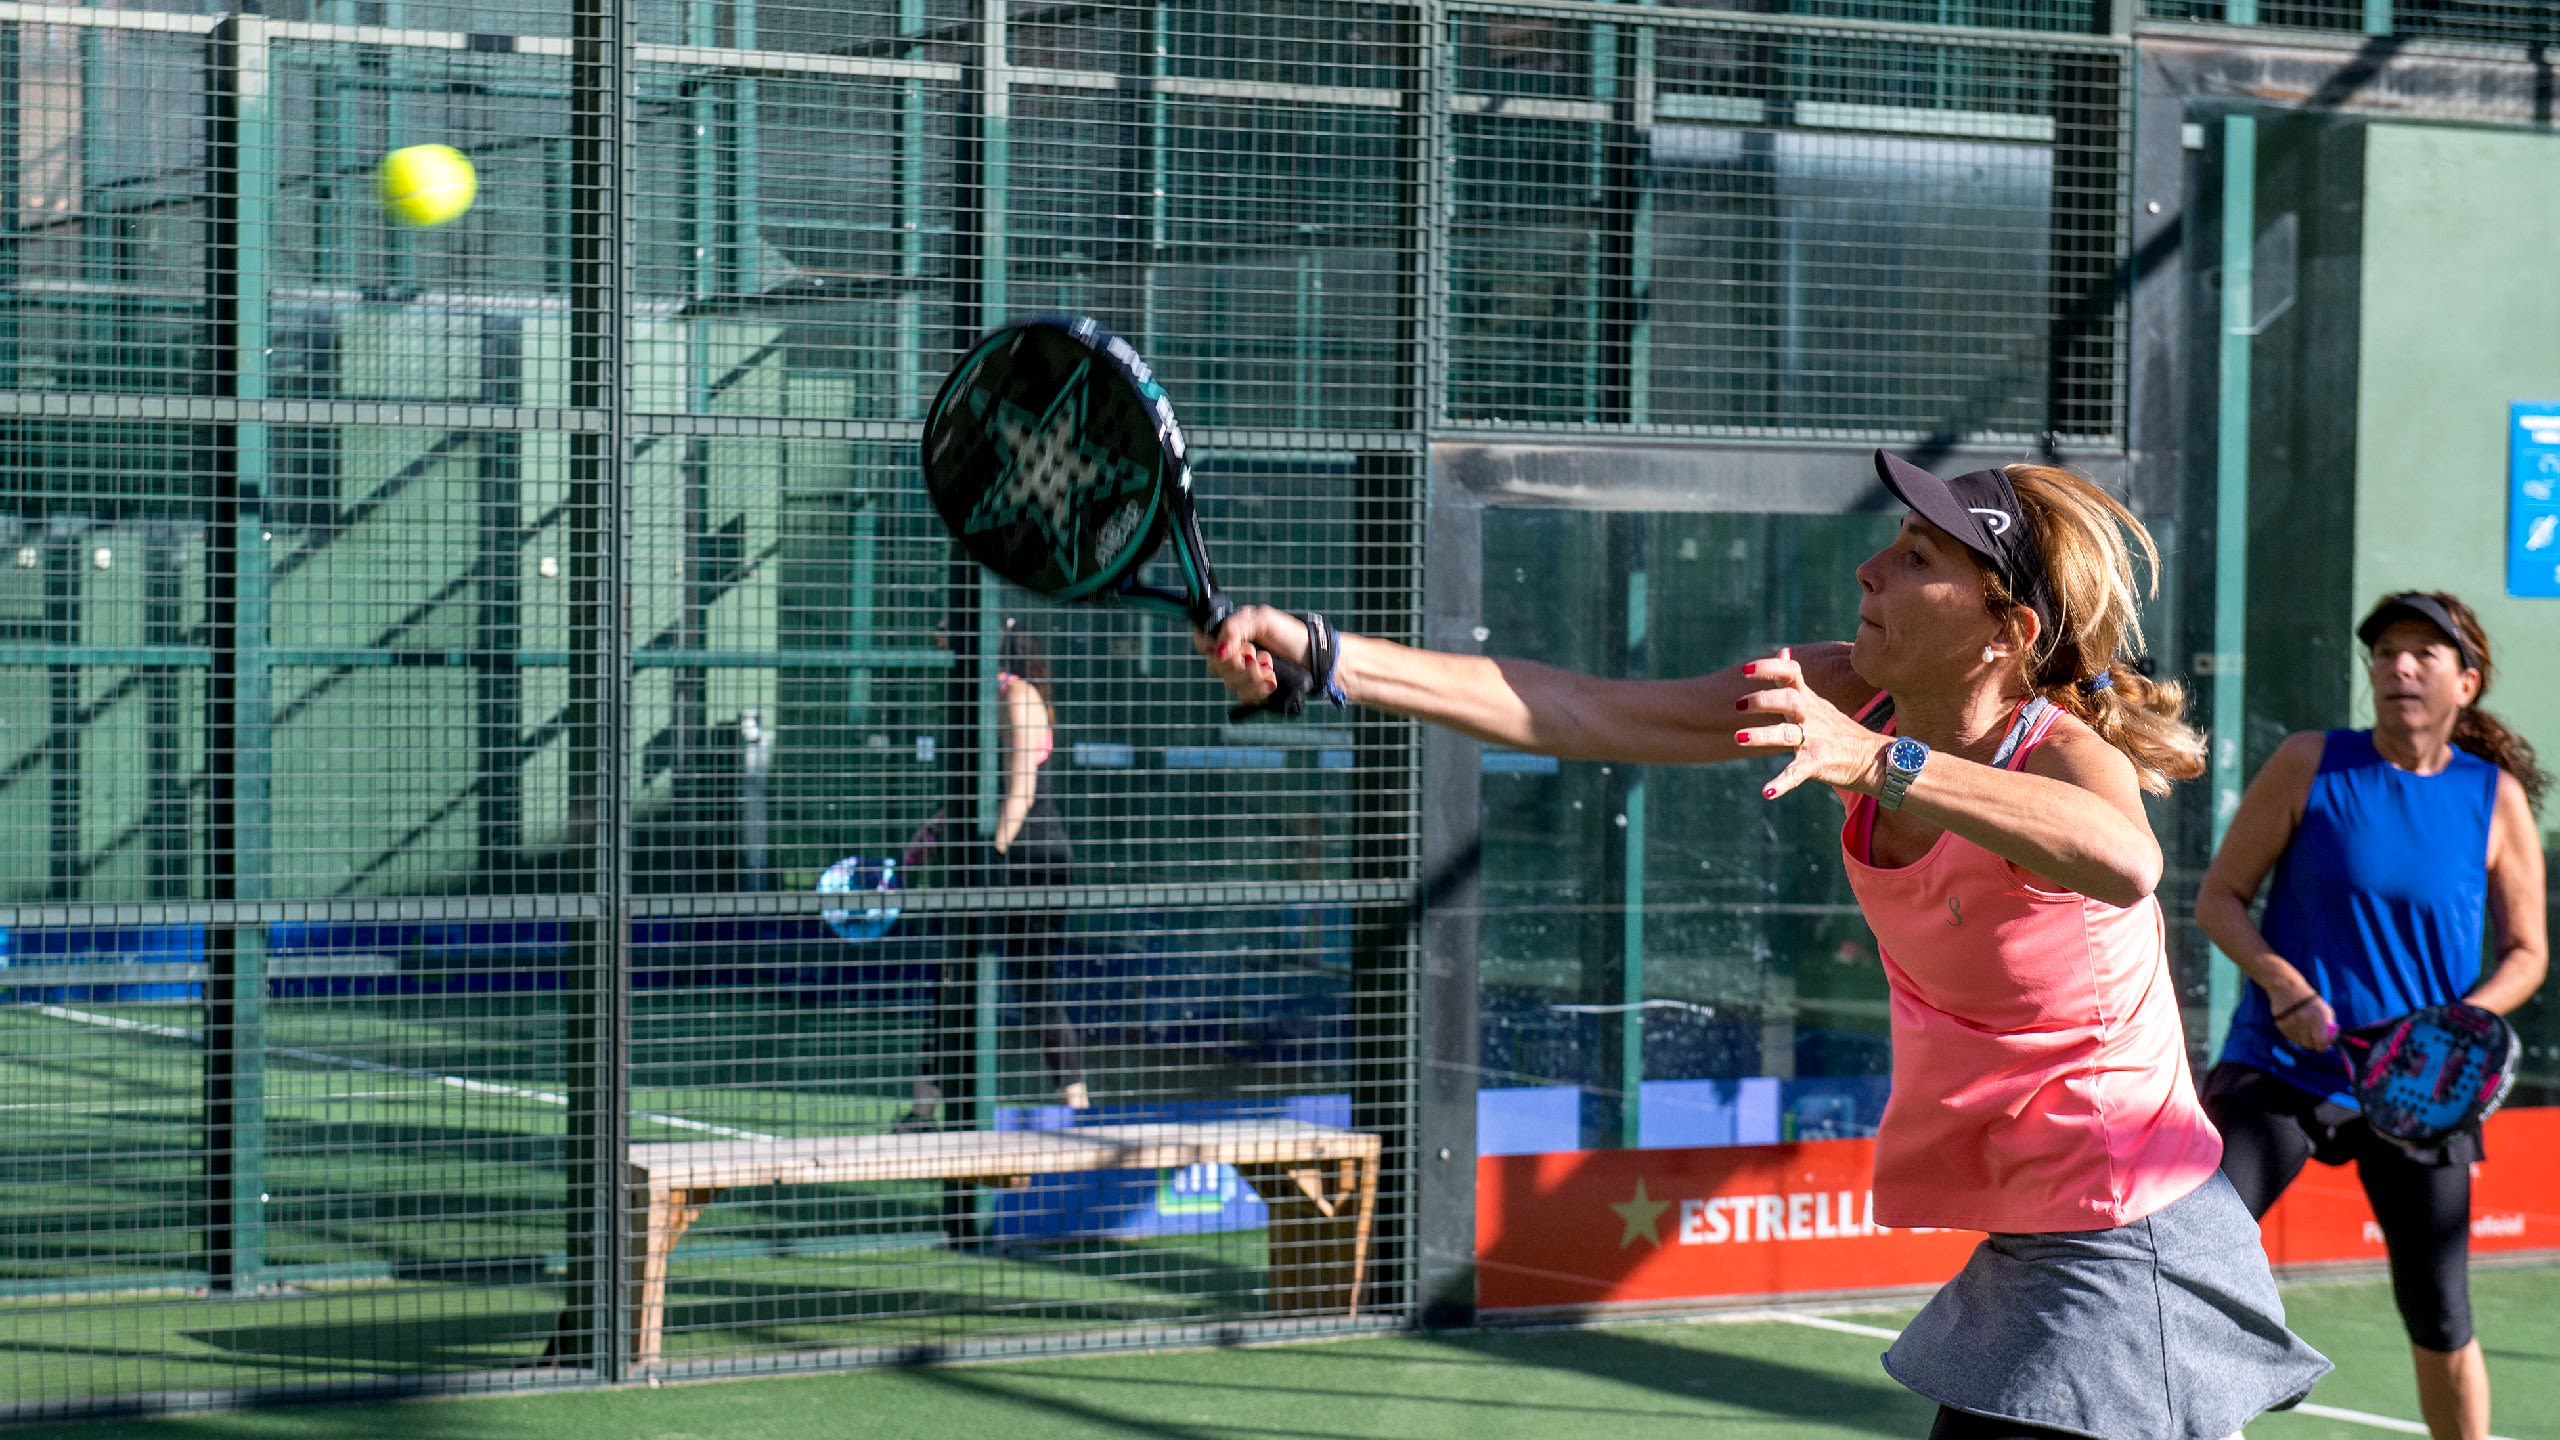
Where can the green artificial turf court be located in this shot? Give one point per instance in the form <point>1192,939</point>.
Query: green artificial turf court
<point>420,1213</point>
<point>1718,1377</point>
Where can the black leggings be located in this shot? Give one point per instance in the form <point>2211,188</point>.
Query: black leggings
<point>1954,1424</point>
<point>1035,941</point>
<point>2270,1129</point>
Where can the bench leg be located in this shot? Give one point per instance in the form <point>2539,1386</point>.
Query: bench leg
<point>1319,1233</point>
<point>663,1216</point>
<point>1368,1206</point>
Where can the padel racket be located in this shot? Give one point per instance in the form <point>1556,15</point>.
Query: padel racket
<point>1055,459</point>
<point>2433,1073</point>
<point>872,885</point>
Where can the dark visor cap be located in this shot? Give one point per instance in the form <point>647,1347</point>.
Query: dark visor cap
<point>1980,509</point>
<point>2416,607</point>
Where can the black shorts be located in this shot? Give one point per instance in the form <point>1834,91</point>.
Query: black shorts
<point>2423,1204</point>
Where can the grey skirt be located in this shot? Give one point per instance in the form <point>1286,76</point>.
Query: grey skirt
<point>2165,1329</point>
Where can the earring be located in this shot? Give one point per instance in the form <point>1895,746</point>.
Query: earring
<point>1989,654</point>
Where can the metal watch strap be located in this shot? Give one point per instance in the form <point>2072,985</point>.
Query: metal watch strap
<point>1897,781</point>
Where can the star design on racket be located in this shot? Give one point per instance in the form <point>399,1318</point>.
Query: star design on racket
<point>1050,469</point>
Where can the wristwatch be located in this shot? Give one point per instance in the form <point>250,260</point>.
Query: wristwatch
<point>1902,762</point>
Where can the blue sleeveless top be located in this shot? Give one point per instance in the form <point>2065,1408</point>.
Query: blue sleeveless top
<point>2379,901</point>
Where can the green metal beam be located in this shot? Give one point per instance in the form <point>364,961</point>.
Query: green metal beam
<point>2231,513</point>
<point>1631,838</point>
<point>1640,244</point>
<point>243,153</point>
<point>995,199</point>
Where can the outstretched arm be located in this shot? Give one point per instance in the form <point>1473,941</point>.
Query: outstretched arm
<point>1521,704</point>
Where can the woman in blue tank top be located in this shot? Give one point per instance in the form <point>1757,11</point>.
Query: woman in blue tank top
<point>2392,849</point>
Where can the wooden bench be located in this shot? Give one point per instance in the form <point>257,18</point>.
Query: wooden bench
<point>1321,1185</point>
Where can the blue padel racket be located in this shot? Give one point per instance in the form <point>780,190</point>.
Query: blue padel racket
<point>1055,459</point>
<point>2433,1073</point>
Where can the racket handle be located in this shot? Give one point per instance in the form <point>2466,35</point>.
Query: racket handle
<point>1288,694</point>
<point>1292,684</point>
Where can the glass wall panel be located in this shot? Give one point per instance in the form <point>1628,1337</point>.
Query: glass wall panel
<point>1667,958</point>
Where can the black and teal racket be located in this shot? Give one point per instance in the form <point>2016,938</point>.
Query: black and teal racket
<point>1055,459</point>
<point>2432,1074</point>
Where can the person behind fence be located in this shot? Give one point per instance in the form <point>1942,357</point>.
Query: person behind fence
<point>2389,847</point>
<point>1031,851</point>
<point>1990,739</point>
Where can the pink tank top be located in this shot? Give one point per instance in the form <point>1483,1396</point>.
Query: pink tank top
<point>1005,680</point>
<point>2040,1076</point>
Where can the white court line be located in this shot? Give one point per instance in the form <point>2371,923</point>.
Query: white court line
<point>2317,1412</point>
<point>1825,1322</point>
<point>375,1067</point>
<point>2358,1417</point>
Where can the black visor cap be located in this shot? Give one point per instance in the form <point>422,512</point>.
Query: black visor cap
<point>1980,509</point>
<point>2416,607</point>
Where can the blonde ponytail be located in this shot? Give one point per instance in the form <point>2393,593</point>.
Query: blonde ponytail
<point>2085,662</point>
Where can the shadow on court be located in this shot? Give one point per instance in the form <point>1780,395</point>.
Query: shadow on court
<point>1479,1386</point>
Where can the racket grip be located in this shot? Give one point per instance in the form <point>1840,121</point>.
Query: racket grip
<point>1288,695</point>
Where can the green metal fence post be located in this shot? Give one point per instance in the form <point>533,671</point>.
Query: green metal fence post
<point>1615,981</point>
<point>498,610</point>
<point>241,177</point>
<point>1155,200</point>
<point>595,1321</point>
<point>995,304</point>
<point>12,198</point>
<point>741,211</point>
<point>1637,163</point>
<point>64,724</point>
<point>2231,514</point>
<point>1630,823</point>
<point>963,1037</point>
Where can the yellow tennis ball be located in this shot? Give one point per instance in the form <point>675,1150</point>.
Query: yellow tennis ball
<point>426,185</point>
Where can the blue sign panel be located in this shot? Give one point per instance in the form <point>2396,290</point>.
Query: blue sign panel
<point>2533,499</point>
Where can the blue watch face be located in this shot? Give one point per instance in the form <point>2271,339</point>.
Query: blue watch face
<point>1907,755</point>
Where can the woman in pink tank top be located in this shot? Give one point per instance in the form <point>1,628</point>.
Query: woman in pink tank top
<point>1991,739</point>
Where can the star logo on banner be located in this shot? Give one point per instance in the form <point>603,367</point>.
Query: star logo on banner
<point>1643,1217</point>
<point>1049,469</point>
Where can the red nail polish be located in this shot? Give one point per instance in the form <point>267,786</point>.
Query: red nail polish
<point>1741,737</point>
<point>1769,794</point>
<point>1741,704</point>
<point>1751,669</point>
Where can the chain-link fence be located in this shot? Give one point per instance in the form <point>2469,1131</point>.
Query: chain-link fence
<point>504,773</point>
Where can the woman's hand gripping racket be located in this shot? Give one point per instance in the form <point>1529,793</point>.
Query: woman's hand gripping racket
<point>2432,1074</point>
<point>1054,458</point>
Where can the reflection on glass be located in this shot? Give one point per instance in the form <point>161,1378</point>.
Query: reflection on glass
<point>1668,959</point>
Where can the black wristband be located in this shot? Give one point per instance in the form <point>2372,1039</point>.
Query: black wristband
<point>2296,1005</point>
<point>1323,649</point>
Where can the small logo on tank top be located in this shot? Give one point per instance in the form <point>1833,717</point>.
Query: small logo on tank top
<point>1955,910</point>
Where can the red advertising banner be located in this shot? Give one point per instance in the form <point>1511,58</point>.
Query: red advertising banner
<point>2515,1199</point>
<point>1585,1227</point>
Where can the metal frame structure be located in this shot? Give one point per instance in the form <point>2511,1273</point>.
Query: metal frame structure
<point>665,110</point>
